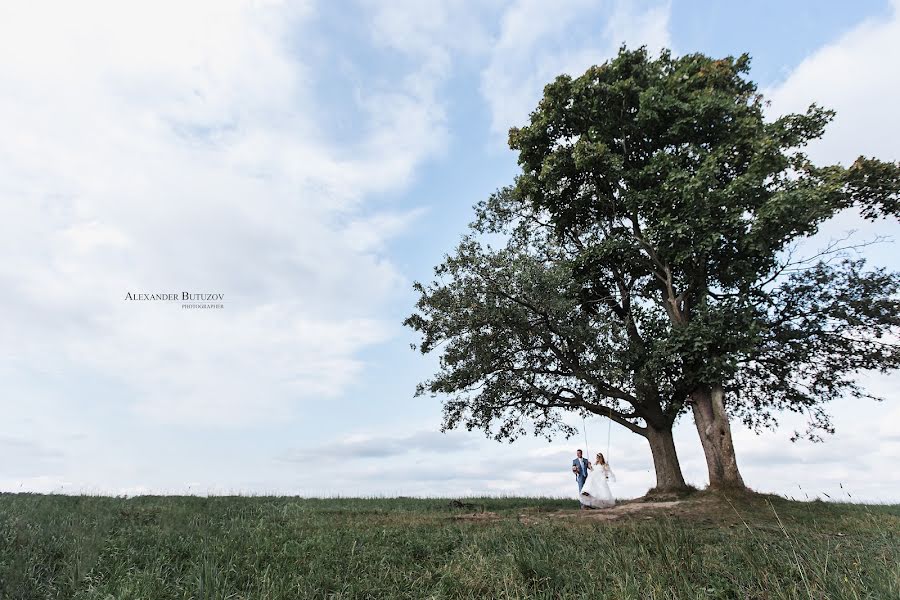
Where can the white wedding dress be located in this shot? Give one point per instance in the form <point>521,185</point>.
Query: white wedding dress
<point>595,491</point>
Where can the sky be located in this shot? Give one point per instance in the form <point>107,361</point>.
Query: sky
<point>311,160</point>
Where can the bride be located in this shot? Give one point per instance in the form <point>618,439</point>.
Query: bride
<point>595,492</point>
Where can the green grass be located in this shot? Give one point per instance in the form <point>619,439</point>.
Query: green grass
<point>709,546</point>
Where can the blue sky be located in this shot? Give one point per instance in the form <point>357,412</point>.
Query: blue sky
<point>310,160</point>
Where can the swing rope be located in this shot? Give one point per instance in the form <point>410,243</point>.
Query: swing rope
<point>584,431</point>
<point>608,433</point>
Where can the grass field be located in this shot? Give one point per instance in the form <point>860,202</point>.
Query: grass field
<point>706,546</point>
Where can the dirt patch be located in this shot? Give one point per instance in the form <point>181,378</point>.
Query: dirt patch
<point>711,509</point>
<point>648,510</point>
<point>482,517</point>
<point>702,509</point>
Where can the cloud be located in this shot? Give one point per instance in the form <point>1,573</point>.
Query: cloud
<point>533,48</point>
<point>25,456</point>
<point>430,37</point>
<point>364,447</point>
<point>458,463</point>
<point>848,75</point>
<point>197,163</point>
<point>457,27</point>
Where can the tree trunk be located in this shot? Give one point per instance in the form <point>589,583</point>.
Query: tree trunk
<point>665,460</point>
<point>715,436</point>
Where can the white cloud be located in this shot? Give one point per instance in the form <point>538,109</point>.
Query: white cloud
<point>850,75</point>
<point>369,233</point>
<point>378,446</point>
<point>432,36</point>
<point>533,48</point>
<point>165,147</point>
<point>423,462</point>
<point>858,460</point>
<point>444,27</point>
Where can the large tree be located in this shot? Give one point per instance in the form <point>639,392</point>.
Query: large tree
<point>521,344</point>
<point>687,200</point>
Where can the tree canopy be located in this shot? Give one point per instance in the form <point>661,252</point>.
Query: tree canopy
<point>696,197</point>
<point>518,339</point>
<point>647,263</point>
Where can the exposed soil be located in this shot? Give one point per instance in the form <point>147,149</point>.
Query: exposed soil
<point>701,508</point>
<point>632,509</point>
<point>618,511</point>
<point>477,517</point>
<point>711,509</point>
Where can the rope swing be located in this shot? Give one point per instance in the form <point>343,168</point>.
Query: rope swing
<point>587,452</point>
<point>608,434</point>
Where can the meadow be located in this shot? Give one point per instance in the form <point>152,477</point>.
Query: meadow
<point>704,546</point>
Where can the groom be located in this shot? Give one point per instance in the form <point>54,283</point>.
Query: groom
<point>580,467</point>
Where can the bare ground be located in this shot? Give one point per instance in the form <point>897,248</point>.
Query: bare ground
<point>700,507</point>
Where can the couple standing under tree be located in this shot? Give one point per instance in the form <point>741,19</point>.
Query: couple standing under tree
<point>593,489</point>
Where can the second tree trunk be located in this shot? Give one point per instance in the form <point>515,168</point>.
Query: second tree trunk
<point>715,437</point>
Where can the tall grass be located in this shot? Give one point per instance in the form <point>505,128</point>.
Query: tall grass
<point>269,547</point>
